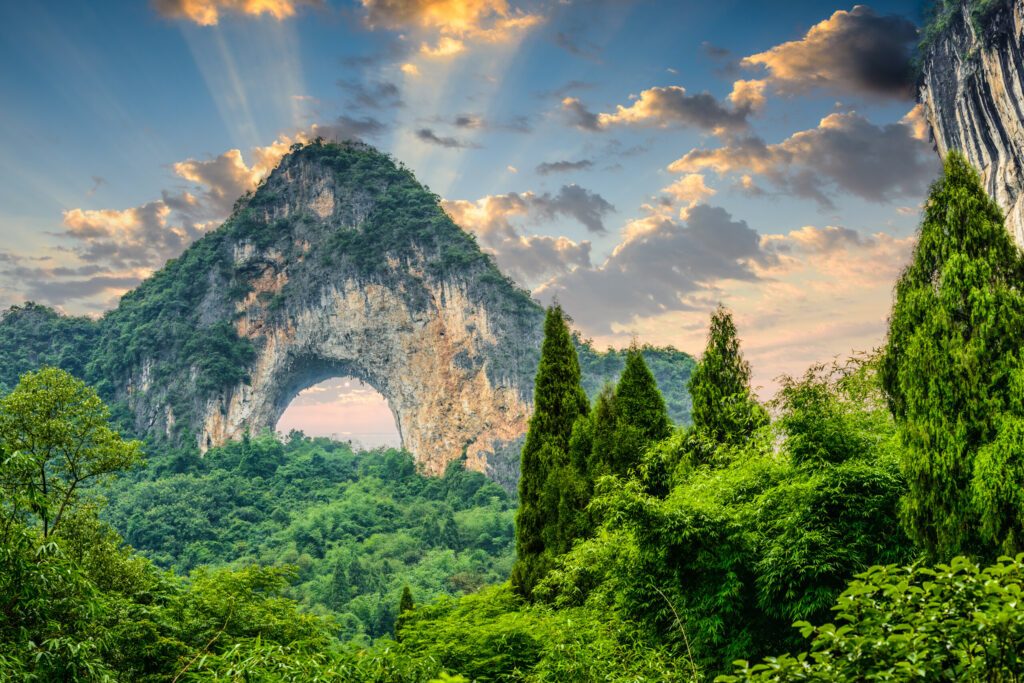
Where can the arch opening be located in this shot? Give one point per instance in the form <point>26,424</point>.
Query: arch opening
<point>342,408</point>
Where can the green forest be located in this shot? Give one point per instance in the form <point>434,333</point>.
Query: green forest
<point>865,524</point>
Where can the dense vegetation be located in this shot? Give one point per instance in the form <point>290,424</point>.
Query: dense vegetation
<point>357,527</point>
<point>32,336</point>
<point>643,552</point>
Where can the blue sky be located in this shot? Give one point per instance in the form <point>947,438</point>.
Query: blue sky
<point>641,160</point>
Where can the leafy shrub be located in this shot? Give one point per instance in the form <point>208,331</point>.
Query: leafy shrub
<point>955,622</point>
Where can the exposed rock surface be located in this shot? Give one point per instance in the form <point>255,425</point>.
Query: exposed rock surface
<point>972,92</point>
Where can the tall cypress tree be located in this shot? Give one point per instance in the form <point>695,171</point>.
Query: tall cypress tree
<point>724,407</point>
<point>952,373</point>
<point>558,401</point>
<point>405,604</point>
<point>604,420</point>
<point>641,415</point>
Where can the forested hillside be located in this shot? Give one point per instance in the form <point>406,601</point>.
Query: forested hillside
<point>865,524</point>
<point>357,526</point>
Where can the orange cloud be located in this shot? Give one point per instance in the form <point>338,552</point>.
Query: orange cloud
<point>748,95</point>
<point>918,122</point>
<point>453,21</point>
<point>689,189</point>
<point>446,47</point>
<point>208,12</point>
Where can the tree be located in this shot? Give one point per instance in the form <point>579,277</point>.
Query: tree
<point>724,408</point>
<point>604,420</point>
<point>640,415</point>
<point>952,373</point>
<point>55,441</point>
<point>405,605</point>
<point>558,401</point>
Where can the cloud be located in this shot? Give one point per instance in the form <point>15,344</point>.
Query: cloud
<point>916,120</point>
<point>849,258</point>
<point>389,50</point>
<point>714,51</point>
<point>748,95</point>
<point>575,45</point>
<point>97,183</point>
<point>138,237</point>
<point>578,115</point>
<point>549,167</point>
<point>562,91</point>
<point>659,264</point>
<point>373,95</point>
<point>471,121</point>
<point>346,128</point>
<point>224,178</point>
<point>208,12</point>
<point>453,22</point>
<point>827,295</point>
<point>689,190</point>
<point>856,51</point>
<point>428,135</point>
<point>24,278</point>
<point>516,124</point>
<point>572,201</point>
<point>589,208</point>
<point>746,184</point>
<point>528,259</point>
<point>663,107</point>
<point>845,152</point>
<point>801,296</point>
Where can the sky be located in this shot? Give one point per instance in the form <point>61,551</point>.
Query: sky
<point>640,161</point>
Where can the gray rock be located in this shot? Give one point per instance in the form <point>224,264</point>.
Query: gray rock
<point>972,92</point>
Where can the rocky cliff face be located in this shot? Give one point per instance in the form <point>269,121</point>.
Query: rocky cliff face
<point>972,92</point>
<point>339,264</point>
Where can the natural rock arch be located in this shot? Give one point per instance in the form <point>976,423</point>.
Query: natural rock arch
<point>429,365</point>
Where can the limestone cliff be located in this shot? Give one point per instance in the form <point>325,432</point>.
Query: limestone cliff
<point>972,91</point>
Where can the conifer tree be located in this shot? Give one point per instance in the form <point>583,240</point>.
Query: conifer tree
<point>641,417</point>
<point>952,374</point>
<point>558,401</point>
<point>724,407</point>
<point>603,423</point>
<point>405,605</point>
